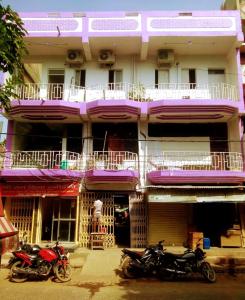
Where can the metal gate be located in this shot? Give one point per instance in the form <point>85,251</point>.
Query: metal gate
<point>22,216</point>
<point>86,214</point>
<point>138,220</point>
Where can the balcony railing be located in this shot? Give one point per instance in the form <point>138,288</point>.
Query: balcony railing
<point>124,160</point>
<point>122,91</point>
<point>107,160</point>
<point>43,160</point>
<point>194,160</point>
<point>112,160</point>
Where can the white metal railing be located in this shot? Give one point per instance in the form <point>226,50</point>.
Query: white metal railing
<point>124,160</point>
<point>112,160</point>
<point>120,91</point>
<point>44,160</point>
<point>195,160</point>
<point>98,160</point>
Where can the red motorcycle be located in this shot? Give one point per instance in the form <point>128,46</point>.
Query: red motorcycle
<point>40,262</point>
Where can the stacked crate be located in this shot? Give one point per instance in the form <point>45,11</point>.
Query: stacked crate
<point>195,238</point>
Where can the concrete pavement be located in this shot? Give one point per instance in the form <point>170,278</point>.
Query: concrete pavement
<point>103,265</point>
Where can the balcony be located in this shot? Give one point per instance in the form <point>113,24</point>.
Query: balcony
<point>195,167</point>
<point>42,165</point>
<point>127,91</point>
<point>125,101</point>
<point>106,167</point>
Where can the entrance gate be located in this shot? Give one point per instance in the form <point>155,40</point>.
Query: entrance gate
<point>22,216</point>
<point>138,220</point>
<point>86,215</point>
<point>137,212</point>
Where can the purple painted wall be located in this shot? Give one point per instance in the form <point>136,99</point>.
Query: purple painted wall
<point>145,24</point>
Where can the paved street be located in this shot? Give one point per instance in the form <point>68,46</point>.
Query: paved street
<point>226,287</point>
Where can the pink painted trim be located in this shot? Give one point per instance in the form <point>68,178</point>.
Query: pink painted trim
<point>186,176</point>
<point>119,176</point>
<point>37,175</point>
<point>239,78</point>
<point>10,136</point>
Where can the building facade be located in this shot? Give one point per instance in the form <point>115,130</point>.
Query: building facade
<point>141,110</point>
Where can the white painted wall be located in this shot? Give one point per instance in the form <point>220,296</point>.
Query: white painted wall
<point>144,70</point>
<point>158,145</point>
<point>234,135</point>
<point>232,70</point>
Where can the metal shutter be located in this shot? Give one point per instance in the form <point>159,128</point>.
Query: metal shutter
<point>167,222</point>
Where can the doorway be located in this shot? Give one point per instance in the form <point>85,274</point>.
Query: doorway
<point>56,79</point>
<point>214,219</point>
<point>58,219</point>
<point>121,220</point>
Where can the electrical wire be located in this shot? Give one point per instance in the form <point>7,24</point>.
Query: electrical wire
<point>151,139</point>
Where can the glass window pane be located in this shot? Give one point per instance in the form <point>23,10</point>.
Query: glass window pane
<point>55,231</point>
<point>64,231</point>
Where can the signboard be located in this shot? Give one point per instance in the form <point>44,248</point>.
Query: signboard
<point>166,198</point>
<point>40,189</point>
<point>207,197</point>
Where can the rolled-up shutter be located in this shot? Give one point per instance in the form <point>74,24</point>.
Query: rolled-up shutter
<point>168,222</point>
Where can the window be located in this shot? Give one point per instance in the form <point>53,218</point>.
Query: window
<point>80,78</point>
<point>189,76</point>
<point>56,79</point>
<point>216,76</point>
<point>115,79</point>
<point>161,78</point>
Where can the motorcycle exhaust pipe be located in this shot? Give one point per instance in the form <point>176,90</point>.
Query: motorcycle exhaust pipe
<point>175,271</point>
<point>26,271</point>
<point>136,264</point>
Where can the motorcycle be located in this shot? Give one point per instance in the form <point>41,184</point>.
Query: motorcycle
<point>179,265</point>
<point>135,264</point>
<point>40,262</point>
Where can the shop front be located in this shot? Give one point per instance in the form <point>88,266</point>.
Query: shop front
<point>218,216</point>
<point>123,220</point>
<point>43,212</point>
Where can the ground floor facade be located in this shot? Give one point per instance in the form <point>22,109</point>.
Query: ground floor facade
<point>131,219</point>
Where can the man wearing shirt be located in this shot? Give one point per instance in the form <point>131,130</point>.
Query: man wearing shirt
<point>97,213</point>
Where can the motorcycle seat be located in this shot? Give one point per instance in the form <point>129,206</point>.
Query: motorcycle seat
<point>134,253</point>
<point>175,255</point>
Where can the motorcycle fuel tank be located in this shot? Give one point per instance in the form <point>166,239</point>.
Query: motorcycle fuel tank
<point>47,254</point>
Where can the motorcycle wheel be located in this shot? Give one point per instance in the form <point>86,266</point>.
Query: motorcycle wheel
<point>127,270</point>
<point>17,277</point>
<point>63,272</point>
<point>208,272</point>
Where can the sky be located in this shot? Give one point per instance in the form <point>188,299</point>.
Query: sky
<point>111,5</point>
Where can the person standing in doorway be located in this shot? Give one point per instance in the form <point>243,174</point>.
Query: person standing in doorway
<point>97,214</point>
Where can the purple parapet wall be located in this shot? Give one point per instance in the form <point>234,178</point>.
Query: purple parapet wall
<point>145,24</point>
<point>239,78</point>
<point>39,175</point>
<point>1,78</point>
<point>9,144</point>
<point>207,177</point>
<point>10,136</point>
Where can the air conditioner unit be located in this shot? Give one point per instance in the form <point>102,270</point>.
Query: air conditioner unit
<point>165,56</point>
<point>106,57</point>
<point>74,57</point>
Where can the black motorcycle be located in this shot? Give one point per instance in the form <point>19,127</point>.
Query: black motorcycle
<point>138,264</point>
<point>183,265</point>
